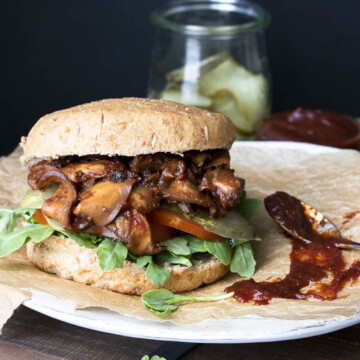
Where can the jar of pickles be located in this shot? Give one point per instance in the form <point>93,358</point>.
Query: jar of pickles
<point>211,54</point>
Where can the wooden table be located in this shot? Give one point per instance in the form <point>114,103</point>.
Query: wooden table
<point>29,335</point>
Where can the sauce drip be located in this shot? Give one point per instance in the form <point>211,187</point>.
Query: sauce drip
<point>310,262</point>
<point>349,216</point>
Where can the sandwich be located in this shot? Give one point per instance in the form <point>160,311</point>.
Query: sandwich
<point>131,195</point>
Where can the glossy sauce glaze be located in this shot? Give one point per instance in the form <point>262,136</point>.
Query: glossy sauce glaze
<point>310,262</point>
<point>312,126</point>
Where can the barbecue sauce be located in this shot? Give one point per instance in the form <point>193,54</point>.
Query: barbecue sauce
<point>312,126</point>
<point>310,262</point>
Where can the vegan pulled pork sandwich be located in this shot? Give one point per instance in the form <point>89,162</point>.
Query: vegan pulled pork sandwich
<point>131,195</point>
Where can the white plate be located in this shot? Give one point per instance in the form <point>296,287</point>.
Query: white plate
<point>240,330</point>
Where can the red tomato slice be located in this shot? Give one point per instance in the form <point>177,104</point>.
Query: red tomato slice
<point>159,232</point>
<point>172,219</point>
<point>162,233</point>
<point>40,218</point>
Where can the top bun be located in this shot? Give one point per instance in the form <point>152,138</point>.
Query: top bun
<point>128,126</point>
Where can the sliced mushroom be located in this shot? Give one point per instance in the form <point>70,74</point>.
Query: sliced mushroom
<point>78,224</point>
<point>223,185</point>
<point>199,158</point>
<point>151,162</point>
<point>143,198</point>
<point>101,230</point>
<point>185,191</point>
<point>174,169</point>
<point>84,187</point>
<point>102,202</point>
<point>59,206</point>
<point>80,172</point>
<point>134,229</point>
<point>219,158</point>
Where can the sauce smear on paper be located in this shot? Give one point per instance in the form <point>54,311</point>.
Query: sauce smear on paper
<point>310,262</point>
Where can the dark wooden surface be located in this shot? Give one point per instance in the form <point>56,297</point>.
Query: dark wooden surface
<point>29,335</point>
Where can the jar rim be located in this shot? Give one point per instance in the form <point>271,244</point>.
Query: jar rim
<point>260,16</point>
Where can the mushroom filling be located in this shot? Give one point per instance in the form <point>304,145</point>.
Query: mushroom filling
<point>111,196</point>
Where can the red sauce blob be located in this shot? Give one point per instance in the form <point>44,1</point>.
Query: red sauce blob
<point>313,126</point>
<point>310,262</point>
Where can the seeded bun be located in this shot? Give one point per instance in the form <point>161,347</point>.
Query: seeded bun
<point>128,126</point>
<point>65,258</point>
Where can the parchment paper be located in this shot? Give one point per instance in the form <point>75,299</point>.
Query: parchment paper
<point>330,182</point>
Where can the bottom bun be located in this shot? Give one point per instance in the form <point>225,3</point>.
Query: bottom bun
<point>64,257</point>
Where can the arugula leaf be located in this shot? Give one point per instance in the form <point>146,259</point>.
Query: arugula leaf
<point>243,262</point>
<point>257,238</point>
<point>177,246</point>
<point>155,273</point>
<point>82,239</point>
<point>90,241</point>
<point>195,244</point>
<point>8,218</point>
<point>35,198</point>
<point>170,258</point>
<point>10,242</point>
<point>132,256</point>
<point>220,250</point>
<point>155,357</point>
<point>248,207</point>
<point>111,254</point>
<point>163,302</point>
<point>142,261</point>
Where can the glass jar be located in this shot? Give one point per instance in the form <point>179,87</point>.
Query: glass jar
<point>211,54</point>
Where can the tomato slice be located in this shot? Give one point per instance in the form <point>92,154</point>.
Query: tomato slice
<point>172,219</point>
<point>162,233</point>
<point>163,225</point>
<point>40,218</point>
<point>159,232</point>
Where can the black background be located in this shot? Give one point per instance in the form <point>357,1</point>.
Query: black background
<point>55,54</point>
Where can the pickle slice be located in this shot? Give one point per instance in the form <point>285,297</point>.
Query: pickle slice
<point>247,89</point>
<point>196,69</point>
<point>224,102</point>
<point>185,97</point>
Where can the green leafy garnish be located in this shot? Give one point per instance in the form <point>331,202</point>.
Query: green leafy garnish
<point>8,218</point>
<point>170,258</point>
<point>155,273</point>
<point>178,246</point>
<point>155,357</point>
<point>142,261</point>
<point>90,241</point>
<point>163,302</point>
<point>111,254</point>
<point>221,250</point>
<point>243,262</point>
<point>248,207</point>
<point>12,241</point>
<point>82,239</point>
<point>186,245</point>
<point>196,244</point>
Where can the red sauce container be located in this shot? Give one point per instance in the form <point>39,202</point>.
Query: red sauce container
<point>312,126</point>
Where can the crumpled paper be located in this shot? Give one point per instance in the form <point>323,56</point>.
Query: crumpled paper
<point>327,181</point>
